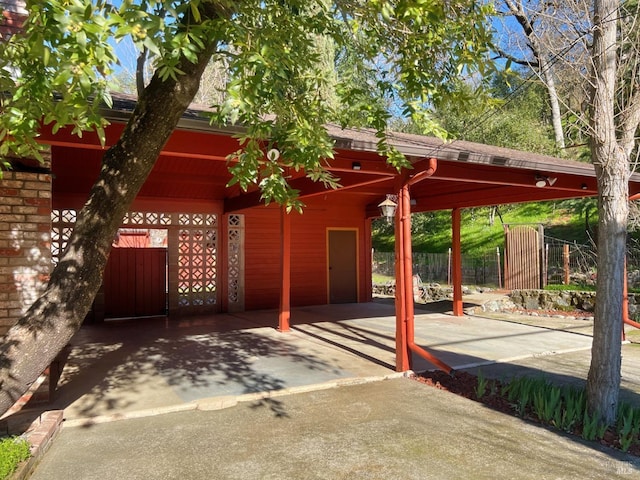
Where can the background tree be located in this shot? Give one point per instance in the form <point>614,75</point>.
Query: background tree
<point>546,38</point>
<point>58,72</point>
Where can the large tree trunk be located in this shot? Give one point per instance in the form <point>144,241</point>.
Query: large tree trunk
<point>612,170</point>
<point>31,345</point>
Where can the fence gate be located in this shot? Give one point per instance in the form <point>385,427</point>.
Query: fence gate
<point>522,257</point>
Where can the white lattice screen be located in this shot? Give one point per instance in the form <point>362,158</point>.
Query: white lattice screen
<point>62,222</point>
<point>197,260</point>
<point>235,262</point>
<point>197,250</point>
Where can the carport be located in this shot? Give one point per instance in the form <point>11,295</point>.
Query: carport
<point>250,242</point>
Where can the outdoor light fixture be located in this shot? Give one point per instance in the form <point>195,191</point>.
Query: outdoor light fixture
<point>273,154</point>
<point>356,166</point>
<point>543,181</point>
<point>388,209</point>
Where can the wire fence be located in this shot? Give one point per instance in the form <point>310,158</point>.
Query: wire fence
<point>436,267</point>
<point>562,263</point>
<point>570,263</point>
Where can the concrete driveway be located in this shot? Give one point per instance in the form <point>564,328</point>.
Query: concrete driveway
<point>383,430</point>
<point>230,397</point>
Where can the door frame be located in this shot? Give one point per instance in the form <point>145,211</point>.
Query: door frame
<point>357,259</point>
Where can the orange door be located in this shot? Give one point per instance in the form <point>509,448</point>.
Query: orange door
<point>343,266</point>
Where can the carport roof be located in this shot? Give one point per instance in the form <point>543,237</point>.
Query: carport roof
<point>468,174</point>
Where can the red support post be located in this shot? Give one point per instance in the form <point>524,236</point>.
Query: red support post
<point>402,349</point>
<point>456,263</point>
<point>405,331</point>
<point>407,261</point>
<point>285,270</point>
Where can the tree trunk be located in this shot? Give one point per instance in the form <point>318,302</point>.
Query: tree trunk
<point>603,383</point>
<point>612,170</point>
<point>542,64</point>
<point>556,118</point>
<point>32,344</point>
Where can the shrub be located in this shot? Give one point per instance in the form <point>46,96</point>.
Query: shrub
<point>13,450</point>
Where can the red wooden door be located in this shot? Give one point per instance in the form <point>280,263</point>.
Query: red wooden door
<point>135,281</point>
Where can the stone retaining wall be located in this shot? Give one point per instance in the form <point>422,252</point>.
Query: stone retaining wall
<point>526,299</point>
<point>564,300</point>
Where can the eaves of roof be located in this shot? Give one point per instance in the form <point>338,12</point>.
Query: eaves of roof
<point>415,147</point>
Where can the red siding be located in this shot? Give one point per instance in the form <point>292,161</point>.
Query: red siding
<point>135,282</point>
<point>308,251</point>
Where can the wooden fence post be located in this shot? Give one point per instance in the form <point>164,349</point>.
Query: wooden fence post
<point>565,258</point>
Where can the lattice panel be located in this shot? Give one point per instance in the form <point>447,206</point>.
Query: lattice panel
<point>62,222</point>
<point>197,219</point>
<point>197,267</point>
<point>235,260</point>
<point>147,219</point>
<point>197,249</point>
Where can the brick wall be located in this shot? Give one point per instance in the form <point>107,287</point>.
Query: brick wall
<point>25,231</point>
<point>13,14</point>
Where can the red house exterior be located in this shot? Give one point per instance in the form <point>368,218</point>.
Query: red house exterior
<point>222,250</point>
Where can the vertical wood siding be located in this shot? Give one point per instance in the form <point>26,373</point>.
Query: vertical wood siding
<point>308,251</point>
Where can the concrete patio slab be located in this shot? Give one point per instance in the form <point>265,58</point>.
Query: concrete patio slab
<point>149,364</point>
<point>193,392</point>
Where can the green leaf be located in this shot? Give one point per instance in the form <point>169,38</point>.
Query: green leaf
<point>151,45</point>
<point>194,11</point>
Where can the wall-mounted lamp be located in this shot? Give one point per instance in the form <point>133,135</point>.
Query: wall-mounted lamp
<point>584,186</point>
<point>356,166</point>
<point>388,209</point>
<point>273,154</point>
<point>543,181</point>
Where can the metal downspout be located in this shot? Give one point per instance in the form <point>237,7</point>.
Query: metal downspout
<point>406,268</point>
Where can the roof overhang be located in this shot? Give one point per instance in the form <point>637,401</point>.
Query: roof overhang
<point>467,174</point>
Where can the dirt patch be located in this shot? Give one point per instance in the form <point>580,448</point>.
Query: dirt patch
<point>577,314</point>
<point>465,385</point>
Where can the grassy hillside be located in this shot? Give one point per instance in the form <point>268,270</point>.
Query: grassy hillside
<point>482,228</point>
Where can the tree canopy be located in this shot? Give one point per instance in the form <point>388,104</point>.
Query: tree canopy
<point>60,70</point>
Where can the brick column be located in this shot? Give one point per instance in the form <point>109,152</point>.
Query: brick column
<point>25,233</point>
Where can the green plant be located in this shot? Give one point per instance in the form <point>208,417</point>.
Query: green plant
<point>520,393</point>
<point>13,450</point>
<point>592,429</point>
<point>563,407</point>
<point>546,401</point>
<point>571,287</point>
<point>574,405</point>
<point>628,425</point>
<point>493,388</point>
<point>482,385</point>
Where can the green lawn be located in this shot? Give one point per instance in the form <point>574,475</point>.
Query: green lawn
<point>482,232</point>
